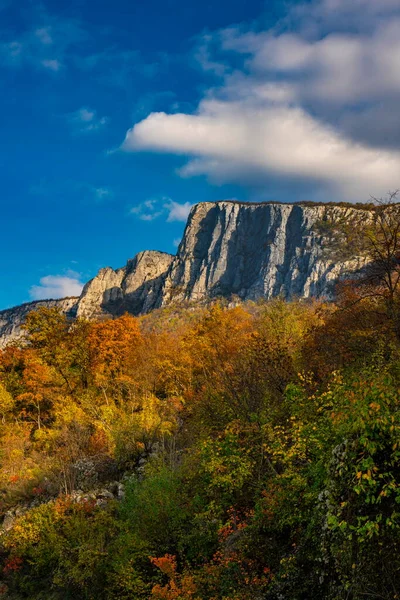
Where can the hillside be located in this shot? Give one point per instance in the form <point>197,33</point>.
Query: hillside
<point>212,450</point>
<point>214,453</point>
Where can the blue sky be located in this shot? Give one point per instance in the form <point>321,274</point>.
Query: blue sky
<point>116,117</point>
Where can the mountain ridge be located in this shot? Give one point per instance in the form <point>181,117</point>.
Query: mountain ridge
<point>229,248</point>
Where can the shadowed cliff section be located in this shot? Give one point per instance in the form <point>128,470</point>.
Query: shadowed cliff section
<point>253,251</point>
<point>135,288</point>
<point>229,248</point>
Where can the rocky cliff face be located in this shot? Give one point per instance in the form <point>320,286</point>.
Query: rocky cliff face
<point>253,251</point>
<point>135,288</point>
<point>12,319</point>
<point>228,248</point>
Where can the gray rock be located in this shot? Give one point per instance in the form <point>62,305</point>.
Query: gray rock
<point>229,249</point>
<point>105,494</point>
<point>113,487</point>
<point>135,288</point>
<point>121,491</point>
<point>12,319</point>
<point>252,251</point>
<point>8,521</point>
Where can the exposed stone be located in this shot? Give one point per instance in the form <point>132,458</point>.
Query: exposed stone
<point>8,521</point>
<point>105,494</point>
<point>97,496</point>
<point>252,251</point>
<point>248,251</point>
<point>121,491</point>
<point>11,319</point>
<point>135,288</point>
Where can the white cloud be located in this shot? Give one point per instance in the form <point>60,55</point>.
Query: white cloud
<point>359,15</point>
<point>231,140</point>
<point>57,286</point>
<point>289,104</point>
<point>178,212</point>
<point>84,115</point>
<point>338,68</point>
<point>85,120</point>
<point>147,210</point>
<point>152,209</point>
<point>204,57</point>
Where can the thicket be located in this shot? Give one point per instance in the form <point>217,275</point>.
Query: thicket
<point>270,439</point>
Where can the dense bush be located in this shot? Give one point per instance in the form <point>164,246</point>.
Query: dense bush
<point>259,446</point>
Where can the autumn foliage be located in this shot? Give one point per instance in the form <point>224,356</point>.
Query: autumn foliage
<point>258,445</point>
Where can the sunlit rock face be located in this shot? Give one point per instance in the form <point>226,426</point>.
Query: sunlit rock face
<point>249,251</point>
<point>252,251</point>
<point>135,288</point>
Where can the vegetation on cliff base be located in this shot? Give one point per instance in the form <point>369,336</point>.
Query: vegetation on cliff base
<point>260,446</point>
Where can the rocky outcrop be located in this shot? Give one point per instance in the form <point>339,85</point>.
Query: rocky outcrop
<point>12,319</point>
<point>228,249</point>
<point>110,492</point>
<point>254,251</point>
<point>135,288</point>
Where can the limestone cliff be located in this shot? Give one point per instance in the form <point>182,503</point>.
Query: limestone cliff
<point>11,319</point>
<point>228,249</point>
<point>253,251</point>
<point>135,288</point>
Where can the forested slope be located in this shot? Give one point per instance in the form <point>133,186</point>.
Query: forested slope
<point>257,449</point>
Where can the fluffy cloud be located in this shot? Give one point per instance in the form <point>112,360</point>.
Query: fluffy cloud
<point>231,141</point>
<point>57,286</point>
<point>341,14</point>
<point>295,105</point>
<point>147,210</point>
<point>152,209</point>
<point>339,68</point>
<point>178,212</point>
